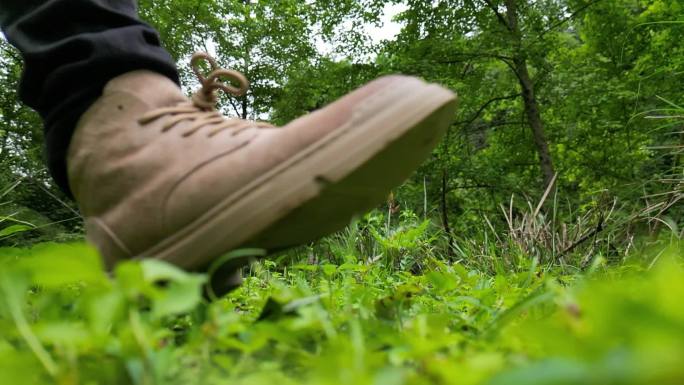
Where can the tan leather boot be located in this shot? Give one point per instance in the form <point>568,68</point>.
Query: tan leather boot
<point>159,175</point>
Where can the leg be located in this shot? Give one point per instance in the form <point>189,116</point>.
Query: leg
<point>86,44</point>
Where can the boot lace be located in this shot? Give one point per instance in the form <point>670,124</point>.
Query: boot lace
<point>201,110</point>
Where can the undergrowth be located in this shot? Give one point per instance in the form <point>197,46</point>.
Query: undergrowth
<point>370,305</point>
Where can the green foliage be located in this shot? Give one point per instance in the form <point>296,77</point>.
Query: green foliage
<point>476,271</point>
<point>65,321</point>
<point>601,89</point>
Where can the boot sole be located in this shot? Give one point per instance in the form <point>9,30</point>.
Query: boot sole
<point>346,173</point>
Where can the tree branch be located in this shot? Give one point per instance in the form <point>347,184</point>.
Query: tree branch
<point>499,16</point>
<point>599,227</point>
<point>232,103</point>
<point>484,106</point>
<point>566,19</point>
<point>509,61</point>
<point>475,55</point>
<point>504,123</point>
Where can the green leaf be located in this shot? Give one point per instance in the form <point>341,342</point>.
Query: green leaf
<point>179,292</point>
<point>55,265</point>
<point>14,229</point>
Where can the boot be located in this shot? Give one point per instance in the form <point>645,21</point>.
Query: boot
<point>160,175</point>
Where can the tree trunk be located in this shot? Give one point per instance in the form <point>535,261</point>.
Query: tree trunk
<point>535,121</point>
<point>445,214</point>
<point>246,64</point>
<point>528,92</point>
<point>244,107</point>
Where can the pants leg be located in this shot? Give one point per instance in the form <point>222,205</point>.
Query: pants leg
<point>71,49</point>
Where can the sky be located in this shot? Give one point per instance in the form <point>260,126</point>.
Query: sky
<point>389,29</point>
<point>386,30</point>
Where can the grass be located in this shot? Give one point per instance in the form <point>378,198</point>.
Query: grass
<point>370,305</point>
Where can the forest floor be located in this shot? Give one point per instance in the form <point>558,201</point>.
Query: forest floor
<point>63,320</point>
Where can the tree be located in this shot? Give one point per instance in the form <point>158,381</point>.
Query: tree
<point>260,39</point>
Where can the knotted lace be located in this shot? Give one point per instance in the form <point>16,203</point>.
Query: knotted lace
<point>201,111</point>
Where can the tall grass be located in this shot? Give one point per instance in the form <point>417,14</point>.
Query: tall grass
<point>664,194</point>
